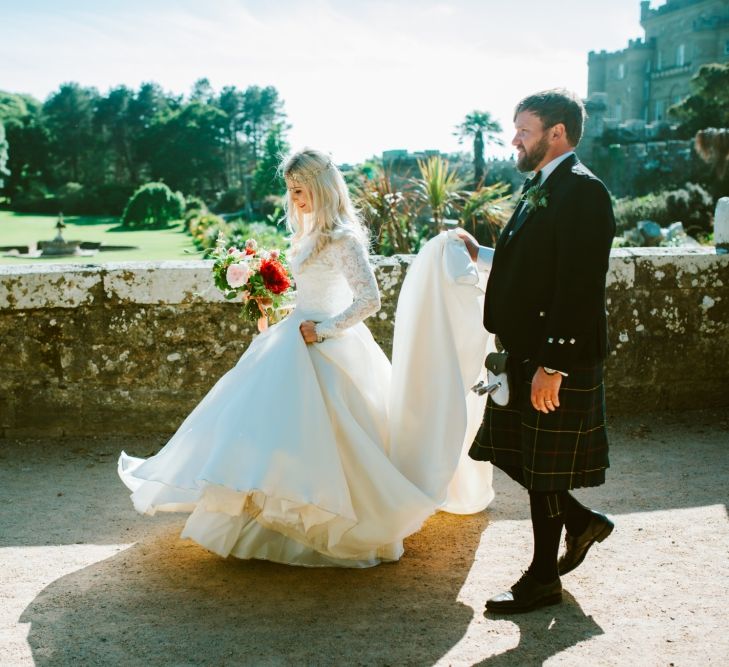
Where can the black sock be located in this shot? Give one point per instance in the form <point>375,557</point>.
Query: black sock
<point>576,515</point>
<point>547,534</point>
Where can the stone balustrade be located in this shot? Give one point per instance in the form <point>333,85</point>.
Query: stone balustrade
<point>130,348</point>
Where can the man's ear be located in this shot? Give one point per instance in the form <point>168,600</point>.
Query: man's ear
<point>557,131</point>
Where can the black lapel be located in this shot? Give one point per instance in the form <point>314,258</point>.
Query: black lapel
<point>564,168</point>
<point>507,230</point>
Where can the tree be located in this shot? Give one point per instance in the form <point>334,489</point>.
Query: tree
<point>484,130</point>
<point>267,179</point>
<point>261,109</point>
<point>202,92</point>
<point>111,122</point>
<point>68,116</point>
<point>27,139</point>
<point>708,105</point>
<point>188,152</point>
<point>437,187</point>
<point>3,156</point>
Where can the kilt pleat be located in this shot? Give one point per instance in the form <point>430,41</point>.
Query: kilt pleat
<point>562,450</point>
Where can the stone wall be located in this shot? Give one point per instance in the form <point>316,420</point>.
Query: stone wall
<point>130,348</point>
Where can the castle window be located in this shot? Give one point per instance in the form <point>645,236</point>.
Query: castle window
<point>681,55</point>
<point>660,109</point>
<point>726,48</point>
<point>659,60</point>
<point>618,110</point>
<point>621,71</point>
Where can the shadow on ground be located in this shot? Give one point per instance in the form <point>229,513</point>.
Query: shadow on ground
<point>164,601</point>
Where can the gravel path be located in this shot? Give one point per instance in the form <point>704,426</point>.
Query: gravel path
<point>84,580</point>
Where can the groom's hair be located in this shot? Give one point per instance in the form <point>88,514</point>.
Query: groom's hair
<point>556,106</point>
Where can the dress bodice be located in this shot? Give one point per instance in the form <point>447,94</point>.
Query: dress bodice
<point>336,287</point>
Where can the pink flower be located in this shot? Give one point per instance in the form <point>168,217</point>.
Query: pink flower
<point>275,254</point>
<point>237,275</point>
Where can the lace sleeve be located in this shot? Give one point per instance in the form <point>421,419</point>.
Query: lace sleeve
<point>352,258</point>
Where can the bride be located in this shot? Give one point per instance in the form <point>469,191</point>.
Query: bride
<point>301,453</point>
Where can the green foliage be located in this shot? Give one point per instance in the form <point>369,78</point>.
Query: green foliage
<point>394,211</point>
<point>485,211</point>
<point>153,205</point>
<point>389,212</point>
<point>264,234</point>
<point>708,105</point>
<point>3,155</point>
<point>267,180</point>
<point>205,229</point>
<point>205,144</point>
<point>69,117</point>
<point>692,205</point>
<point>437,187</point>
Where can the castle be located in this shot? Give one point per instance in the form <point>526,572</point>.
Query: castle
<point>631,90</point>
<point>653,73</point>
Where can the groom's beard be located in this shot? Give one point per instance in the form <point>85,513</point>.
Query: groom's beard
<point>531,159</point>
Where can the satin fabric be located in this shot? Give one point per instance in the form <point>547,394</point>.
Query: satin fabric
<point>439,350</point>
<point>294,455</point>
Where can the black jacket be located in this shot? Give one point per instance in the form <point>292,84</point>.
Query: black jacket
<point>545,297</point>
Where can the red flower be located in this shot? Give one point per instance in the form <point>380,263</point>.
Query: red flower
<point>250,251</point>
<point>274,276</point>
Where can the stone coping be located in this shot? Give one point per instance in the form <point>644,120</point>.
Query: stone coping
<point>28,287</point>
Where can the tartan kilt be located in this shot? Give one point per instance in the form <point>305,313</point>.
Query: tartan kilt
<point>563,450</point>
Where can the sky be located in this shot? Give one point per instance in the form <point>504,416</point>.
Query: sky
<point>356,77</point>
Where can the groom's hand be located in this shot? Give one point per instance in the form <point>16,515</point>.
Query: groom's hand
<point>545,391</point>
<point>471,243</point>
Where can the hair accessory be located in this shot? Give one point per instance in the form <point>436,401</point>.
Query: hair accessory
<point>296,175</point>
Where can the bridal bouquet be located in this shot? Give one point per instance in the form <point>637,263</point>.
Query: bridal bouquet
<point>261,277</point>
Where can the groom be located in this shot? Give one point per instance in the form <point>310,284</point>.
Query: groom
<point>545,301</point>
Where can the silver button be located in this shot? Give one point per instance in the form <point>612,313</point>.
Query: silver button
<point>542,313</point>
<point>572,341</point>
<point>550,340</point>
<point>561,341</point>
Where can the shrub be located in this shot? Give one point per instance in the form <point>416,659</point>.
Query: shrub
<point>691,205</point>
<point>194,203</point>
<point>153,205</point>
<point>73,199</point>
<point>267,236</point>
<point>232,200</point>
<point>205,228</point>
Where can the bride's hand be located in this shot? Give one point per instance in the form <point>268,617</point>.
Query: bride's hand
<point>308,332</point>
<point>470,241</point>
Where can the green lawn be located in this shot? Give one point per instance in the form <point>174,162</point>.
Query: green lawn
<point>23,229</point>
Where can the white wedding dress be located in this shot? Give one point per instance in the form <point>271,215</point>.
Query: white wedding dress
<point>289,457</point>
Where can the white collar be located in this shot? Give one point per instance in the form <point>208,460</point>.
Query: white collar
<point>551,166</point>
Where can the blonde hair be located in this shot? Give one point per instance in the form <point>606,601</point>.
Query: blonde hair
<point>333,214</point>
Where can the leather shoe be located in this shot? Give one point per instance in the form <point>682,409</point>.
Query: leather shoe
<point>597,530</point>
<point>525,595</point>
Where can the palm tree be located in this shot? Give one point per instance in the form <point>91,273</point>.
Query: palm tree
<point>484,212</point>
<point>437,187</point>
<point>485,131</point>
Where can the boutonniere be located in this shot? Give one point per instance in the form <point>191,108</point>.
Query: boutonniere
<point>537,197</point>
